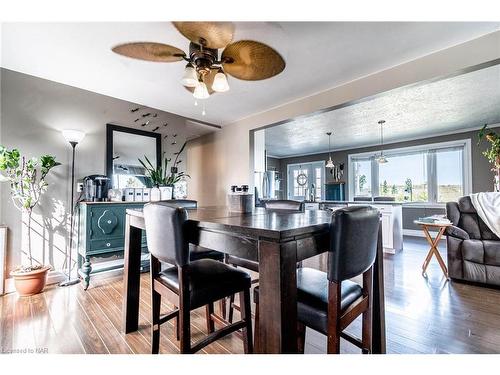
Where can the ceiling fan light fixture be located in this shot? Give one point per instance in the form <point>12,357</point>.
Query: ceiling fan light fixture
<point>190,77</point>
<point>201,92</point>
<point>220,82</point>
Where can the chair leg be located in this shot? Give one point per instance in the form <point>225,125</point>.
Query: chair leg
<point>256,330</point>
<point>367,320</point>
<point>177,327</point>
<point>155,321</point>
<point>210,323</point>
<point>185,330</point>
<point>301,337</point>
<point>334,299</point>
<point>222,308</point>
<point>231,309</point>
<point>246,316</point>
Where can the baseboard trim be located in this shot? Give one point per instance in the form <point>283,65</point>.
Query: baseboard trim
<point>53,277</point>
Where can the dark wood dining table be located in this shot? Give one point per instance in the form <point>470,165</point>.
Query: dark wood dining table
<point>277,240</point>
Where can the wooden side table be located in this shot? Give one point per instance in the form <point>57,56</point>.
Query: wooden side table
<point>433,242</point>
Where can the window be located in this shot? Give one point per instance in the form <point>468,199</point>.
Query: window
<point>362,177</point>
<point>304,177</point>
<point>435,173</point>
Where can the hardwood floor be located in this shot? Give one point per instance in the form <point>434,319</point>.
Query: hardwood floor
<point>423,316</point>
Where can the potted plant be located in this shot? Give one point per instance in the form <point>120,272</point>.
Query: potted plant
<point>161,178</point>
<point>492,153</point>
<point>27,183</point>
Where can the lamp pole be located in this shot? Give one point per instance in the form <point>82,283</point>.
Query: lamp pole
<point>69,281</point>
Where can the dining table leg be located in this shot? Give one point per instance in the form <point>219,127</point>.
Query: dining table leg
<point>277,297</point>
<point>378,328</point>
<point>131,277</point>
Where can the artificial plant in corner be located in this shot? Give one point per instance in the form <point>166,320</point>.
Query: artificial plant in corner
<point>27,184</point>
<point>493,152</point>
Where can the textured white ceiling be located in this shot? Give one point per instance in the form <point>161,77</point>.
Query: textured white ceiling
<point>319,56</point>
<point>462,102</point>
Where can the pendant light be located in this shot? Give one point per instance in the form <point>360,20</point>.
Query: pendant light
<point>329,163</point>
<point>381,159</point>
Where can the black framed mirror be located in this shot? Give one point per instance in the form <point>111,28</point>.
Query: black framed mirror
<point>124,147</point>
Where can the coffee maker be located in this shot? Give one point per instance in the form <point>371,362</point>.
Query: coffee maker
<point>95,188</point>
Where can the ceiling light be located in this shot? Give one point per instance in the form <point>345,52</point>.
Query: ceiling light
<point>201,92</point>
<point>381,159</point>
<point>329,163</point>
<point>190,77</point>
<point>220,82</point>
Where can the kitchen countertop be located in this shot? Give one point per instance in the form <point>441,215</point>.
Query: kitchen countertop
<point>360,202</point>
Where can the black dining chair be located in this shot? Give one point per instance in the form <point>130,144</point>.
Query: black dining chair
<point>328,302</point>
<point>197,253</point>
<point>272,205</point>
<point>195,283</point>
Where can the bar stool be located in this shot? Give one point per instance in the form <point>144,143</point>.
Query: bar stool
<point>197,283</point>
<point>329,302</point>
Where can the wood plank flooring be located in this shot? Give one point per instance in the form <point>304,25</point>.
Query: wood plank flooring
<point>424,315</point>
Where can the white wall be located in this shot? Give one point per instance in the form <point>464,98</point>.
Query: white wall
<point>229,152</point>
<point>34,111</point>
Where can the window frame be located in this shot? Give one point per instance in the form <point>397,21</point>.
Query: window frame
<point>432,188</point>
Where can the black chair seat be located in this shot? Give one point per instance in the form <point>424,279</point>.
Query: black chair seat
<point>312,297</point>
<point>209,281</point>
<point>245,263</point>
<point>205,254</point>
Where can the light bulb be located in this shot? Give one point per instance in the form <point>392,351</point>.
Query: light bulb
<point>201,92</point>
<point>220,82</point>
<point>73,135</point>
<point>190,77</point>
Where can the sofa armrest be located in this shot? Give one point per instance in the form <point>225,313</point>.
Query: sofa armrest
<point>457,233</point>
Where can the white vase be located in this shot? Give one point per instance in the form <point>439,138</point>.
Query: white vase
<point>166,193</point>
<point>155,194</point>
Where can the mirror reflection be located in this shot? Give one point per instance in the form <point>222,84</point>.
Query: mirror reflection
<point>128,148</point>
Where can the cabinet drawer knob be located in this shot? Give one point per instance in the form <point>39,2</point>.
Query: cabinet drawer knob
<point>109,221</point>
<point>108,244</point>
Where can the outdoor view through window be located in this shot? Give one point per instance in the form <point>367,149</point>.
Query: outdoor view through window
<point>425,175</point>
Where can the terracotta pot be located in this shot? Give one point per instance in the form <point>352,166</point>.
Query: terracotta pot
<point>29,283</point>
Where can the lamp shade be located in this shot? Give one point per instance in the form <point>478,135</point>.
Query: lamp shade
<point>73,135</point>
<point>201,92</point>
<point>220,82</point>
<point>190,77</point>
<point>329,163</point>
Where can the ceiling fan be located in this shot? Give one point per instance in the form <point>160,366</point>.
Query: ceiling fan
<point>205,72</point>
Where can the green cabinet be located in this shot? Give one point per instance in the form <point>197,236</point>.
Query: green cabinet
<point>101,237</point>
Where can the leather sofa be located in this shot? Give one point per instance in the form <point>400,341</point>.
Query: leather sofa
<point>473,249</point>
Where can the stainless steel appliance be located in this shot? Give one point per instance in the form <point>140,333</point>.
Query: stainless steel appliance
<point>95,188</point>
<point>267,185</point>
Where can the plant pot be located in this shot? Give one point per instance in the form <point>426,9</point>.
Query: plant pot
<point>29,283</point>
<point>166,192</point>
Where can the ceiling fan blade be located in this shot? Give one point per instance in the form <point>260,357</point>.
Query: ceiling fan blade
<point>208,79</point>
<point>213,35</point>
<point>150,51</point>
<point>252,61</point>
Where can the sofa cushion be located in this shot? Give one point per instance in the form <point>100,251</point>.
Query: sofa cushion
<point>474,272</point>
<point>491,252</point>
<point>470,224</point>
<point>457,232</point>
<point>465,205</point>
<point>473,251</point>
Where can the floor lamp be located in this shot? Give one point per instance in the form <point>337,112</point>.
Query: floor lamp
<point>73,137</point>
